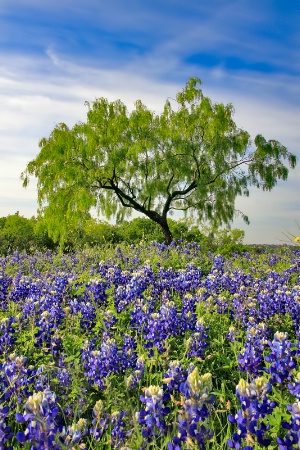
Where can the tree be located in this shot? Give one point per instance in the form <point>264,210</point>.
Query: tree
<point>192,158</point>
<point>223,237</point>
<point>99,233</point>
<point>138,229</point>
<point>17,234</point>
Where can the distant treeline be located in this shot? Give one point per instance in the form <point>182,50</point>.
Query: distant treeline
<point>18,233</point>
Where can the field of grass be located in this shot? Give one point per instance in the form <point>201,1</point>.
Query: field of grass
<point>150,347</point>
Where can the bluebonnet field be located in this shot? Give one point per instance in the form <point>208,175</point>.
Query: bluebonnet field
<point>150,347</point>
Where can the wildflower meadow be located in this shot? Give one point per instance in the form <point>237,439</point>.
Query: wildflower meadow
<point>150,346</point>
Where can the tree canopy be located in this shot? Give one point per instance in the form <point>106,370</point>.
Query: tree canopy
<point>192,157</point>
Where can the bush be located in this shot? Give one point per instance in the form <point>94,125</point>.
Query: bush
<point>17,234</point>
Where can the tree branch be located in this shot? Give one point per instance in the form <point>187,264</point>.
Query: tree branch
<point>171,197</point>
<point>229,169</point>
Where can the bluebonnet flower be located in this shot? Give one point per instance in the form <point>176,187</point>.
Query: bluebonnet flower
<point>124,296</point>
<point>272,298</point>
<point>47,337</point>
<point>16,379</point>
<point>73,434</point>
<point>136,284</point>
<point>100,364</point>
<point>188,313</point>
<point>282,358</point>
<point>197,343</point>
<point>222,304</point>
<point>191,423</point>
<point>136,376</point>
<point>20,288</point>
<point>96,368</point>
<point>30,308</point>
<point>109,319</point>
<point>87,313</point>
<point>239,307</point>
<point>56,345</point>
<point>119,428</point>
<point>139,316</point>
<point>219,262</point>
<point>251,359</point>
<point>161,326</point>
<point>255,406</point>
<point>97,288</point>
<point>232,334</point>
<point>88,316</point>
<point>294,307</point>
<point>43,428</point>
<point>197,389</point>
<point>60,284</point>
<point>292,439</point>
<point>174,377</point>
<point>5,430</point>
<point>165,280</point>
<point>152,418</point>
<point>42,379</point>
<point>5,282</point>
<point>187,279</point>
<point>115,275</point>
<point>7,334</point>
<point>128,354</point>
<point>295,387</point>
<point>100,421</point>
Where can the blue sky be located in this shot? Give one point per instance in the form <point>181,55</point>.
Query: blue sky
<point>55,55</point>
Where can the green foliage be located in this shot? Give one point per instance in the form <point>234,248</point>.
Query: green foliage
<point>229,249</point>
<point>192,158</point>
<point>42,241</point>
<point>282,322</point>
<point>227,237</point>
<point>2,222</point>
<point>100,233</point>
<point>17,233</point>
<point>139,229</point>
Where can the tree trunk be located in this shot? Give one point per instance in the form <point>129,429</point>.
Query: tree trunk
<point>161,220</point>
<point>166,230</point>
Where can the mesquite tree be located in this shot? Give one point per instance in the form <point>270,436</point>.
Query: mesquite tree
<point>190,158</point>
